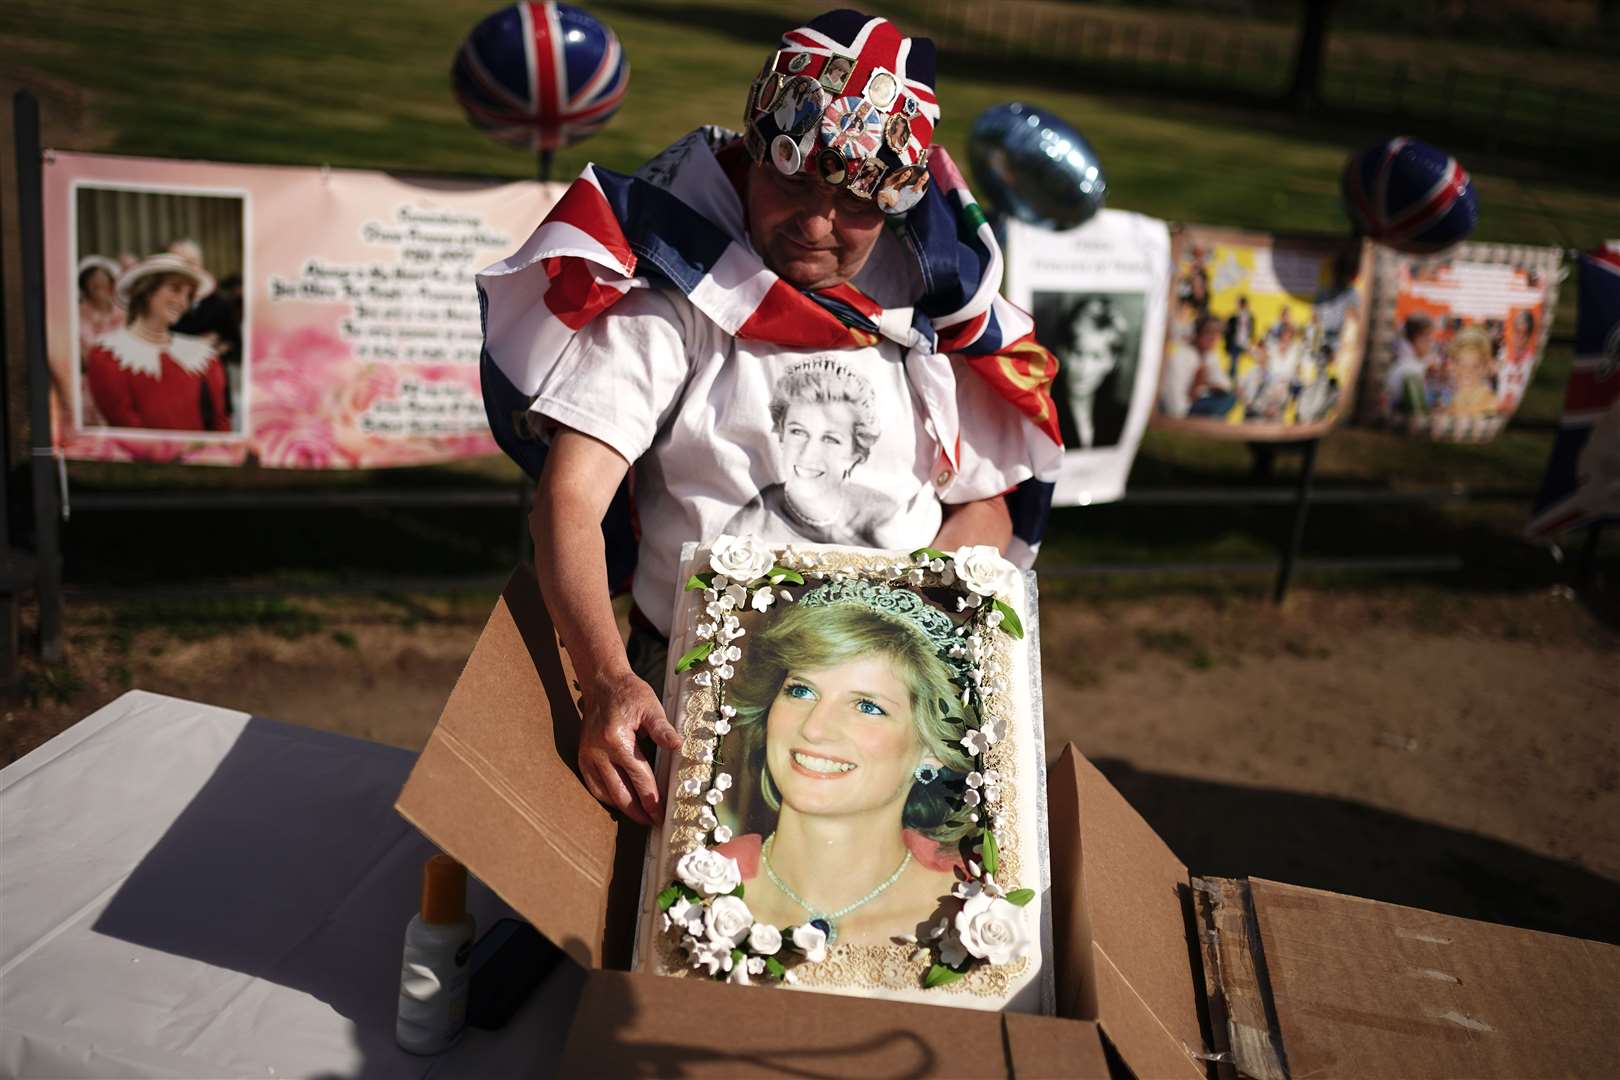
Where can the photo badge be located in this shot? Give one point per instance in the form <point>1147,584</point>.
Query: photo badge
<point>837,73</point>
<point>881,89</point>
<point>902,189</point>
<point>852,122</point>
<point>897,132</point>
<point>866,178</point>
<point>833,166</point>
<point>799,106</point>
<point>798,62</point>
<point>785,154</point>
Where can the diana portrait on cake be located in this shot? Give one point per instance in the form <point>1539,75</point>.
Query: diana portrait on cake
<point>824,418</point>
<point>144,374</point>
<point>845,751</point>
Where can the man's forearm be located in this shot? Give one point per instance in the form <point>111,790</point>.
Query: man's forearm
<point>982,522</point>
<point>569,561</point>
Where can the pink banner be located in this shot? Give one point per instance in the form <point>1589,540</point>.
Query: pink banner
<point>296,318</point>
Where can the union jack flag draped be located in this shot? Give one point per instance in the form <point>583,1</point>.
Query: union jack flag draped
<point>1582,483</point>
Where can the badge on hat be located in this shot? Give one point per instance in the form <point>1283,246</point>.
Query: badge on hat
<point>897,132</point>
<point>833,166</point>
<point>785,154</point>
<point>798,62</point>
<point>882,88</point>
<point>798,106</point>
<point>837,72</point>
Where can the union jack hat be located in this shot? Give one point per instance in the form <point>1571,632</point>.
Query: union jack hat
<point>850,99</point>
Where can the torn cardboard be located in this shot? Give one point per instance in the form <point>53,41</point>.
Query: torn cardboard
<point>1284,981</point>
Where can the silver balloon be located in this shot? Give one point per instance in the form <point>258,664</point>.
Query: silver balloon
<point>1035,167</point>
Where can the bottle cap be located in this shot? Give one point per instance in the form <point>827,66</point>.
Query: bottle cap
<point>444,890</point>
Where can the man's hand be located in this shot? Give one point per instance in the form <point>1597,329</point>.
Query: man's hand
<point>618,709</point>
<point>984,522</point>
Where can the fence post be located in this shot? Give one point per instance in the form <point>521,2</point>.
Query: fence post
<point>47,512</point>
<point>1302,506</point>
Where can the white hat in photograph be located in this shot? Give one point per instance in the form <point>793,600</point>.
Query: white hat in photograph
<point>97,262</point>
<point>164,264</point>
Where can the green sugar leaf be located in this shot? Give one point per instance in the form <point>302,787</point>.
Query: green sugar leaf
<point>780,574</point>
<point>699,581</point>
<point>1020,897</point>
<point>774,968</point>
<point>694,657</point>
<point>1009,619</point>
<point>992,855</point>
<point>932,553</point>
<point>667,898</point>
<point>940,975</point>
<point>737,892</point>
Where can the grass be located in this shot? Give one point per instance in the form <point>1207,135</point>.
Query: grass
<point>306,83</point>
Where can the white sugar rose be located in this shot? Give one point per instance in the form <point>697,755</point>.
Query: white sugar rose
<point>983,571</point>
<point>992,929</point>
<point>740,558</point>
<point>728,921</point>
<point>764,939</point>
<point>708,871</point>
<point>812,941</point>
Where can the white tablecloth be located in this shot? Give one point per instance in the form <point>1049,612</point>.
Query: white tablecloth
<point>187,891</point>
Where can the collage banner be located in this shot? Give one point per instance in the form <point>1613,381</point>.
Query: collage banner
<point>301,318</point>
<point>1098,294</point>
<point>1457,338</point>
<point>1266,333</point>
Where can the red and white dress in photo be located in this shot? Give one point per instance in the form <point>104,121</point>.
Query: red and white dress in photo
<point>138,384</point>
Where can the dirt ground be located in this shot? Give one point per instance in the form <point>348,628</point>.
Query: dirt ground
<point>1456,752</point>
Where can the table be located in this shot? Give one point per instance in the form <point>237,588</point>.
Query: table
<point>189,891</point>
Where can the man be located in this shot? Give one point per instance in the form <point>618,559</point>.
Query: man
<point>643,330</point>
<point>1239,335</point>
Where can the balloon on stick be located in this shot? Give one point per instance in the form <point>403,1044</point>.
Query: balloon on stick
<point>1409,196</point>
<point>1035,167</point>
<point>540,76</point>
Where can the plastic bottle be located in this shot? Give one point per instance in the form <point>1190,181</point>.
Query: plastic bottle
<point>433,977</point>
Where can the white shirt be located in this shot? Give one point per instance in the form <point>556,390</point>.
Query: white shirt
<point>691,407</point>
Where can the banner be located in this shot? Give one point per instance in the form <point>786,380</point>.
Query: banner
<point>1582,484</point>
<point>302,318</point>
<point>1266,333</point>
<point>1457,337</point>
<point>1098,295</point>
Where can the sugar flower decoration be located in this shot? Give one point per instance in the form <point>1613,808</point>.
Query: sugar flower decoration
<point>741,558</point>
<point>707,871</point>
<point>812,941</point>
<point>728,920</point>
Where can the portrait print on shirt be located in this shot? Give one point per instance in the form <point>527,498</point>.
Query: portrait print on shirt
<point>1097,337</point>
<point>825,418</point>
<point>843,765</point>
<point>160,313</point>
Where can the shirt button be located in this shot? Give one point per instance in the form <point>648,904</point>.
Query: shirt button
<point>943,478</point>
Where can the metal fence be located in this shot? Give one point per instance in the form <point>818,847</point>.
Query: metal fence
<point>1477,99</point>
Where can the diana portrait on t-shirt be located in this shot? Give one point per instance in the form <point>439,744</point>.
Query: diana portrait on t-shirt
<point>824,415</point>
<point>144,375</point>
<point>845,750</point>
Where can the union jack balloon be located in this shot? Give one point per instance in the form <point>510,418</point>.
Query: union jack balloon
<point>1409,195</point>
<point>540,76</point>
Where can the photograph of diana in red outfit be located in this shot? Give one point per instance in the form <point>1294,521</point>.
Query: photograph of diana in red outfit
<point>146,376</point>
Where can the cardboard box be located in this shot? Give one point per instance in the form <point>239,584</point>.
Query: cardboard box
<point>1158,972</point>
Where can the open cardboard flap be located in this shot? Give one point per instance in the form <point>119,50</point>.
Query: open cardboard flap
<point>1321,984</point>
<point>495,787</point>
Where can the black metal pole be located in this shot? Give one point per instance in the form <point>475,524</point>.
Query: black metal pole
<point>1302,505</point>
<point>545,166</point>
<point>47,512</point>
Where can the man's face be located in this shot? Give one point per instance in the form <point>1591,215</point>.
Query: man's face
<point>813,234</point>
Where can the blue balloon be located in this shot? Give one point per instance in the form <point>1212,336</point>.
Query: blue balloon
<point>1035,167</point>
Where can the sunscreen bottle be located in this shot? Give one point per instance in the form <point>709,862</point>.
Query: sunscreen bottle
<point>433,978</point>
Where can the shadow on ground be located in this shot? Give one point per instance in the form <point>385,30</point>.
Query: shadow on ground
<point>1225,830</point>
